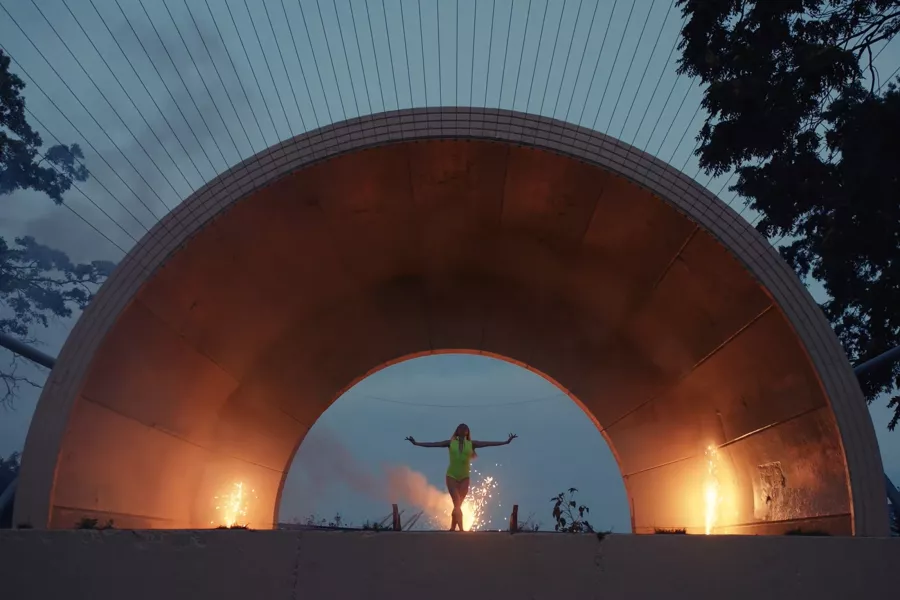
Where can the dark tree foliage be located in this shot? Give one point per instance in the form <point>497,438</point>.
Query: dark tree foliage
<point>797,108</point>
<point>37,283</point>
<point>21,156</point>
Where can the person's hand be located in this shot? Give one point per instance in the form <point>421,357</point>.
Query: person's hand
<point>512,436</point>
<point>410,439</point>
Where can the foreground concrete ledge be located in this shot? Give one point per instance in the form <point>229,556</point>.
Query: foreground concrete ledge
<point>323,564</point>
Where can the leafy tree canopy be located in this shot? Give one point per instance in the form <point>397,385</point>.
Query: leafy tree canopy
<point>796,107</point>
<point>37,283</point>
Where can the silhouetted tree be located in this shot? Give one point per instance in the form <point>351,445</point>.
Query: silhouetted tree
<point>37,283</point>
<point>815,148</point>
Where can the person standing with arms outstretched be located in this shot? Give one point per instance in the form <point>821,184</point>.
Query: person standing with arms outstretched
<point>462,451</point>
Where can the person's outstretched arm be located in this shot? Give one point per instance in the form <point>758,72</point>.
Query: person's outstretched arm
<point>444,444</point>
<point>475,444</point>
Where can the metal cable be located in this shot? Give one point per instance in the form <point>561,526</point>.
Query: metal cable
<point>84,137</point>
<point>640,84</point>
<point>537,55</point>
<point>236,75</point>
<point>674,118</point>
<point>89,113</point>
<point>312,102</point>
<point>184,84</point>
<point>387,39</point>
<point>553,56</point>
<point>487,75</point>
<point>146,89</point>
<point>628,71</point>
<point>197,68</point>
<point>437,23</point>
<point>375,55</point>
<point>35,118</point>
<point>596,65</point>
<point>505,54</point>
<point>115,112</point>
<point>412,100</point>
<point>269,70</point>
<point>521,56</point>
<point>613,68</point>
<point>580,62</point>
<point>472,65</point>
<point>237,115</point>
<point>168,90</point>
<point>252,70</point>
<point>653,95</point>
<point>127,95</point>
<point>337,16</point>
<point>422,47</point>
<point>286,74</point>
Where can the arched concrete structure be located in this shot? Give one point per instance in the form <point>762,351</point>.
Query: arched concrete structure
<point>244,313</point>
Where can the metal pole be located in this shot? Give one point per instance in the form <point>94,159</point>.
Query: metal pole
<point>887,357</point>
<point>893,495</point>
<point>8,496</point>
<point>26,351</point>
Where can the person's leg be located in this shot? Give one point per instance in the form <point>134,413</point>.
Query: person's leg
<point>453,489</point>
<point>462,490</point>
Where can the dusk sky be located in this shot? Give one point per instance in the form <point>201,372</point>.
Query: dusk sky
<point>162,96</point>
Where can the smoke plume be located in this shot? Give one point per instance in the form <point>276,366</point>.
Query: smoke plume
<point>332,463</point>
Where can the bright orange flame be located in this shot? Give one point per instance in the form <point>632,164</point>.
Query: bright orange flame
<point>473,508</point>
<point>711,495</point>
<point>233,506</point>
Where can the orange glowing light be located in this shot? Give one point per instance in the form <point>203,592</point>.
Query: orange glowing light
<point>711,494</point>
<point>474,506</point>
<point>233,506</point>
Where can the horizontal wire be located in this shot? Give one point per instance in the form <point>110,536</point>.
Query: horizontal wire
<point>408,403</point>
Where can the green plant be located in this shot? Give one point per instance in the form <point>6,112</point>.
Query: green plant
<point>568,514</point>
<point>336,522</point>
<point>373,526</point>
<point>528,524</point>
<point>89,523</point>
<point>801,531</point>
<point>669,531</point>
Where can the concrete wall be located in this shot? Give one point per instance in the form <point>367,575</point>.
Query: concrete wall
<point>243,314</point>
<point>274,565</point>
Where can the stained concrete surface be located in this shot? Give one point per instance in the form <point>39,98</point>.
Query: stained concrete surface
<point>275,565</point>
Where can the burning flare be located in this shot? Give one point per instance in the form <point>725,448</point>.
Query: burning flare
<point>233,506</point>
<point>711,495</point>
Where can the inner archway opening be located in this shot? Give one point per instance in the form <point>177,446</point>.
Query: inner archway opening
<point>354,462</point>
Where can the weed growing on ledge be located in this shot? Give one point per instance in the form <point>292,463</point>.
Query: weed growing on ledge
<point>800,531</point>
<point>666,531</point>
<point>569,515</point>
<point>88,523</point>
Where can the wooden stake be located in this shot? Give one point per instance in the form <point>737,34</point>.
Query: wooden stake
<point>396,518</point>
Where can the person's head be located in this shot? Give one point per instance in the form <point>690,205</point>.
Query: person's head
<point>462,431</point>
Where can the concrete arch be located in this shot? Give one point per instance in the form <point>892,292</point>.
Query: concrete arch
<point>243,314</point>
